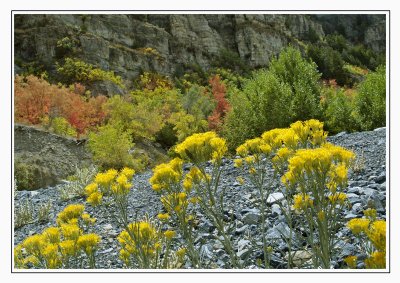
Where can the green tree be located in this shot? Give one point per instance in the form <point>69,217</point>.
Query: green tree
<point>371,100</point>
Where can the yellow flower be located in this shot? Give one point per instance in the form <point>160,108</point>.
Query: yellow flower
<point>122,180</point>
<point>302,201</point>
<point>167,174</point>
<point>34,244</point>
<point>51,256</point>
<point>128,172</point>
<point>70,231</point>
<point>377,234</point>
<point>70,212</point>
<point>370,213</point>
<point>88,242</point>
<point>249,160</point>
<point>87,219</point>
<point>252,171</point>
<point>95,199</point>
<point>202,147</point>
<point>181,196</point>
<point>169,234</point>
<point>181,252</point>
<point>376,260</point>
<point>240,180</point>
<point>351,261</point>
<point>238,162</point>
<point>358,225</point>
<point>52,234</point>
<point>90,189</point>
<point>163,216</point>
<point>68,248</point>
<point>187,183</point>
<point>337,198</point>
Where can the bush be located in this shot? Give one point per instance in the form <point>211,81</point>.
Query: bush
<point>110,147</point>
<point>338,111</point>
<point>37,101</point>
<point>74,70</point>
<point>263,104</point>
<point>330,63</point>
<point>218,89</point>
<point>60,126</point>
<point>287,92</point>
<point>370,103</point>
<point>302,77</point>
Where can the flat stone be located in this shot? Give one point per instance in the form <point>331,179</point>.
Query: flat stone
<point>251,217</point>
<point>274,197</point>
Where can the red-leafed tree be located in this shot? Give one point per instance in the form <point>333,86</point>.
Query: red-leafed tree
<point>218,89</point>
<point>36,100</point>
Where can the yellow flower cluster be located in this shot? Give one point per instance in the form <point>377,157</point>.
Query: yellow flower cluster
<point>55,245</point>
<point>88,243</point>
<point>140,240</point>
<point>376,260</point>
<point>351,261</point>
<point>72,211</point>
<point>319,162</point>
<point>202,147</point>
<point>282,142</point>
<point>302,202</point>
<point>337,198</point>
<point>375,230</point>
<point>166,175</point>
<point>176,202</point>
<point>109,182</point>
<point>358,225</point>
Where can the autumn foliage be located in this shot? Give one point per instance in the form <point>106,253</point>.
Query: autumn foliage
<point>37,101</point>
<point>218,89</point>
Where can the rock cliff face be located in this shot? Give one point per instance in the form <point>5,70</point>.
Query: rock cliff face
<point>170,44</point>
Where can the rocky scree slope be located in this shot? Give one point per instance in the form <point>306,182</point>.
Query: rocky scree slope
<point>367,188</point>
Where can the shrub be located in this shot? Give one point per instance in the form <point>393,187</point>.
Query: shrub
<point>302,77</point>
<point>37,101</point>
<point>60,126</point>
<point>110,146</point>
<point>76,183</point>
<point>371,233</point>
<point>75,70</point>
<point>62,246</point>
<point>218,90</point>
<point>339,112</point>
<point>288,91</point>
<point>23,214</point>
<point>329,62</point>
<point>263,104</point>
<point>370,102</point>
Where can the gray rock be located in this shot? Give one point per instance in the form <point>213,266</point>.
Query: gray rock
<point>274,197</point>
<point>275,209</point>
<point>251,217</point>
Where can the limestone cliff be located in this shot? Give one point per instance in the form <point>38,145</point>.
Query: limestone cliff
<point>171,43</point>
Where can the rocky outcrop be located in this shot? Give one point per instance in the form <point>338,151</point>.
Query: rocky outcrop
<point>42,159</point>
<point>171,44</point>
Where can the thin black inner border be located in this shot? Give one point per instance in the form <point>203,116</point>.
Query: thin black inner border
<point>388,19</point>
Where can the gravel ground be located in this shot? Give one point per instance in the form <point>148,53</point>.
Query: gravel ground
<point>367,188</point>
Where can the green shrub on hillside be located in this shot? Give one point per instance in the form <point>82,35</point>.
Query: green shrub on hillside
<point>370,103</point>
<point>288,91</point>
<point>302,76</point>
<point>339,114</point>
<point>110,147</point>
<point>74,70</point>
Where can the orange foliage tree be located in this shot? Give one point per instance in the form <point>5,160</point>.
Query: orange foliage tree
<point>36,100</point>
<point>218,90</point>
